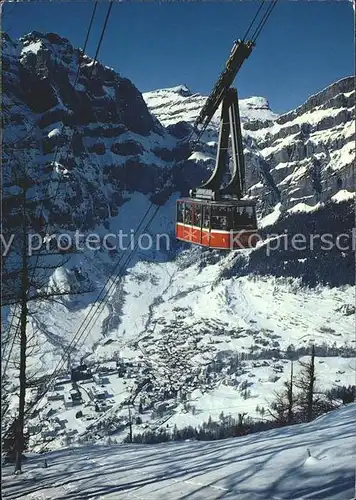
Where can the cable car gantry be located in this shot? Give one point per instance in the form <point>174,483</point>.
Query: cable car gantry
<point>217,215</point>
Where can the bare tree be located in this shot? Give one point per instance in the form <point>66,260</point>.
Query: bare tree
<point>282,409</point>
<point>25,277</point>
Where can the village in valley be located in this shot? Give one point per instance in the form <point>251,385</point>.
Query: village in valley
<point>176,379</point>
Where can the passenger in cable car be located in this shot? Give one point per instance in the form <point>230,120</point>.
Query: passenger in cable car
<point>180,213</point>
<point>188,215</point>
<point>249,216</point>
<point>224,223</point>
<point>198,215</point>
<point>243,217</point>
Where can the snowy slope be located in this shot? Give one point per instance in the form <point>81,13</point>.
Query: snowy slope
<point>272,465</point>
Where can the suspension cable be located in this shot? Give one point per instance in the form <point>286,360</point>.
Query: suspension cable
<point>75,341</point>
<point>50,179</point>
<point>124,266</point>
<point>89,27</point>
<point>264,20</point>
<point>62,129</point>
<point>102,35</point>
<point>55,196</point>
<point>256,33</point>
<point>94,60</point>
<point>76,80</point>
<point>254,19</point>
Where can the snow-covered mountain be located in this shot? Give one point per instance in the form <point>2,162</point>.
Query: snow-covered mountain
<point>311,151</point>
<point>179,319</point>
<point>178,104</point>
<point>116,145</point>
<point>307,153</point>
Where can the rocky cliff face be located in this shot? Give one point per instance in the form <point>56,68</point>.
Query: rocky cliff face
<point>177,104</point>
<point>90,141</point>
<point>310,151</point>
<point>81,128</point>
<point>304,156</point>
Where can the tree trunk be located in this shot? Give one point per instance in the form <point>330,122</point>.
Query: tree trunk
<point>290,397</point>
<point>310,394</point>
<point>23,344</point>
<point>130,420</point>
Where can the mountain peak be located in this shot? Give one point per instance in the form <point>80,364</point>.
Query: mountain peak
<point>182,90</point>
<point>256,108</point>
<point>170,105</point>
<point>256,102</point>
<point>38,36</point>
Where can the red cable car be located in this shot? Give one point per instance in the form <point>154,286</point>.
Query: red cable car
<point>216,215</point>
<point>225,225</point>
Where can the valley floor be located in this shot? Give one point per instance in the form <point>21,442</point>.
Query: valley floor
<point>272,465</point>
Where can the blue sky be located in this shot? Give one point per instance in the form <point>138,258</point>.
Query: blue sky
<point>305,46</point>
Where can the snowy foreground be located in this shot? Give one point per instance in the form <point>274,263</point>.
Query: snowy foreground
<point>270,465</point>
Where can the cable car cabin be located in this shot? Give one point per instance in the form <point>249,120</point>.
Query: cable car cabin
<point>226,225</point>
<point>216,215</point>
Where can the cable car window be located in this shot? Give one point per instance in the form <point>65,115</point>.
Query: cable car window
<point>180,211</point>
<point>244,217</point>
<point>206,216</point>
<point>188,213</point>
<point>220,218</point>
<point>230,216</point>
<point>197,215</point>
